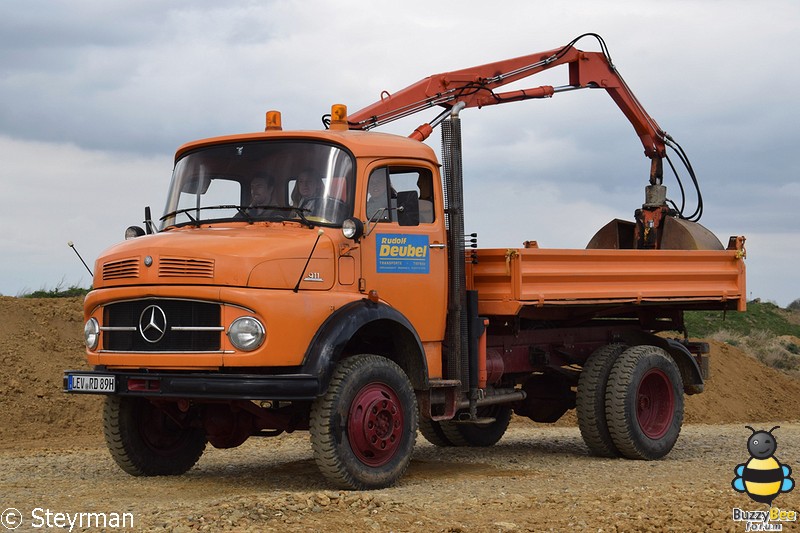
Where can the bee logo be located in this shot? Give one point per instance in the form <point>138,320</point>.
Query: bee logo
<point>762,477</point>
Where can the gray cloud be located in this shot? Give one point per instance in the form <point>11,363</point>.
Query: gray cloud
<point>98,95</point>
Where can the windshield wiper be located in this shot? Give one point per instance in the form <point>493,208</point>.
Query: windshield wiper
<point>301,213</point>
<point>299,210</point>
<point>242,210</point>
<point>197,221</point>
<point>179,212</point>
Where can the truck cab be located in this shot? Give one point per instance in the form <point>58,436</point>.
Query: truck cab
<point>218,259</point>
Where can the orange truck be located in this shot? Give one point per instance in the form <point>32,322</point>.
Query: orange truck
<point>324,281</point>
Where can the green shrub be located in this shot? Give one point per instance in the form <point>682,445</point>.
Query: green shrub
<point>760,332</point>
<point>58,292</point>
<point>759,316</point>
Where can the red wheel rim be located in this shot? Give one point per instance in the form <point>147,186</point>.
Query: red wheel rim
<point>655,404</point>
<point>375,424</point>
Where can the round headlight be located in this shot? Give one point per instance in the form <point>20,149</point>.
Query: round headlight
<point>91,333</point>
<point>246,333</point>
<point>352,228</point>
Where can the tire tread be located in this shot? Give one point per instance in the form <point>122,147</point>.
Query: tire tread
<point>326,451</point>
<point>132,455</point>
<point>591,400</point>
<point>620,409</point>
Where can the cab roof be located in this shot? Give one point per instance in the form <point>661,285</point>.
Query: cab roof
<point>360,143</point>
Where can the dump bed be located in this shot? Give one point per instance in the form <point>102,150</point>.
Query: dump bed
<point>509,279</point>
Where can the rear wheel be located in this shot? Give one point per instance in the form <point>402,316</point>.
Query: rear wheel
<point>480,435</point>
<point>644,403</point>
<point>145,441</point>
<point>363,430</point>
<point>433,432</point>
<point>591,400</point>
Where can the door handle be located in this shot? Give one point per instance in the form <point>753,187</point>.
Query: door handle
<point>437,245</point>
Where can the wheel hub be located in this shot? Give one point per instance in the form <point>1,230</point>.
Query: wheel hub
<point>375,424</point>
<point>655,405</point>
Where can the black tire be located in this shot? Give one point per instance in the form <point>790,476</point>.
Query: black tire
<point>644,403</point>
<point>433,432</point>
<point>364,428</point>
<point>144,441</point>
<point>479,435</point>
<point>590,401</point>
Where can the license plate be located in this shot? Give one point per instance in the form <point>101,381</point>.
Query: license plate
<point>84,383</point>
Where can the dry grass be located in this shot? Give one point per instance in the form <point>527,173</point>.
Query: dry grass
<point>782,352</point>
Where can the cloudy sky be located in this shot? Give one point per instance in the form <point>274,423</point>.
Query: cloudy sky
<point>95,97</point>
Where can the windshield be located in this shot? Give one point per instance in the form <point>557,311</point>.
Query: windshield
<point>311,182</point>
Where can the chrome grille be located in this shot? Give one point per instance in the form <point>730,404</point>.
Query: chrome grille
<point>172,267</point>
<point>181,326</point>
<point>121,269</point>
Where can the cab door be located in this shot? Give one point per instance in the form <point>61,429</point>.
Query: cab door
<point>406,264</point>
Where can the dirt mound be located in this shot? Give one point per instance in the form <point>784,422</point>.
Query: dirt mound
<point>39,338</point>
<point>742,389</point>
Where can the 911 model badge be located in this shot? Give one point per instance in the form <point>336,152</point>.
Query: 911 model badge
<point>152,324</point>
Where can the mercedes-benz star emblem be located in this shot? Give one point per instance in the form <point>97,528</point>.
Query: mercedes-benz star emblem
<point>152,323</point>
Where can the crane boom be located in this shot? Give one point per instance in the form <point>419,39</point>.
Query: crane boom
<point>479,86</point>
<point>476,87</point>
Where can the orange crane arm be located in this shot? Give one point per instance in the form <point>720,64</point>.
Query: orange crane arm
<point>475,87</point>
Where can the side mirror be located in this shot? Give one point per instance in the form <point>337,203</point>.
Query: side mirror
<point>408,208</point>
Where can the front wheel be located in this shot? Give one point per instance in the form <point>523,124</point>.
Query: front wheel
<point>364,428</point>
<point>644,403</point>
<point>145,441</point>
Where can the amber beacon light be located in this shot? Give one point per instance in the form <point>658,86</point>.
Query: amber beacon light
<point>339,117</point>
<point>273,121</point>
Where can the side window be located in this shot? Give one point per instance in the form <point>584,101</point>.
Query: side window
<point>385,183</point>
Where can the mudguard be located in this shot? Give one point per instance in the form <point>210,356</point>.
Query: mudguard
<point>687,364</point>
<point>339,329</point>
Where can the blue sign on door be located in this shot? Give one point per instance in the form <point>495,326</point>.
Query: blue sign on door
<point>402,254</point>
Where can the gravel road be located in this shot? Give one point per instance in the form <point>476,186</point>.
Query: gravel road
<point>535,479</point>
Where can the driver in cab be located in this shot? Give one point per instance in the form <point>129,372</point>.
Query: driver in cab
<point>308,192</point>
<point>262,201</point>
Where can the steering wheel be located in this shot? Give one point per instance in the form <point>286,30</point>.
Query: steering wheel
<point>332,206</point>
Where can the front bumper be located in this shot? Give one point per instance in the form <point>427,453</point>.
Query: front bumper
<point>206,386</point>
